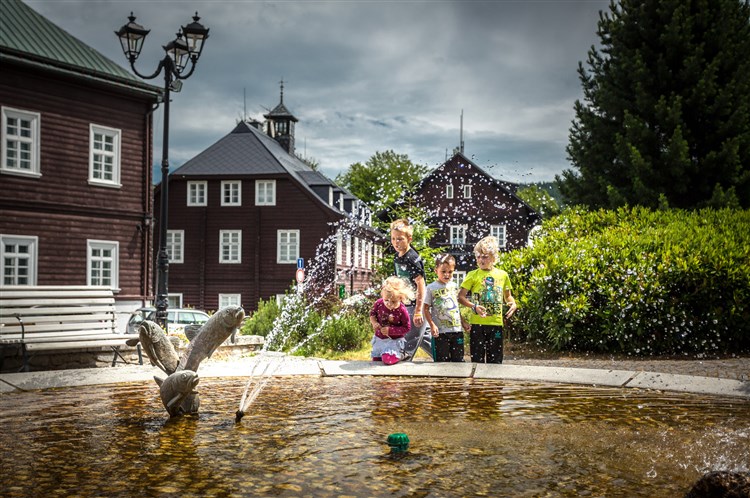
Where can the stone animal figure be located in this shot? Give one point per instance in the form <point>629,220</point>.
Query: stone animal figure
<point>214,332</point>
<point>158,347</point>
<point>177,391</point>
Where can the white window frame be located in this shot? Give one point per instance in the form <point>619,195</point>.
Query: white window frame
<point>467,191</point>
<point>458,277</point>
<point>230,300</point>
<point>30,143</point>
<point>114,259</point>
<point>265,192</point>
<point>32,243</point>
<point>339,248</point>
<point>457,232</point>
<point>97,156</point>
<point>231,193</point>
<point>230,247</point>
<point>287,251</point>
<point>498,230</point>
<point>348,259</point>
<point>174,300</point>
<point>356,253</point>
<point>449,191</point>
<point>176,246</point>
<point>197,193</point>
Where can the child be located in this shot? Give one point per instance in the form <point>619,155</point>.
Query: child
<point>442,313</point>
<point>409,265</point>
<point>390,321</point>
<point>489,287</point>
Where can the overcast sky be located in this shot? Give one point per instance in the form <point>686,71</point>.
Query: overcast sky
<point>367,76</point>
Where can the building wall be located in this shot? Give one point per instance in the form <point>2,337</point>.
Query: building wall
<point>61,207</point>
<point>201,278</point>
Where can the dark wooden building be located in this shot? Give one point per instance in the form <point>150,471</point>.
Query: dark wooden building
<point>243,211</point>
<point>465,203</point>
<point>75,173</point>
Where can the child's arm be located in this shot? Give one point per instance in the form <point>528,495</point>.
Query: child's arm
<point>428,317</point>
<point>374,320</point>
<point>512,307</point>
<point>462,299</point>
<point>418,320</point>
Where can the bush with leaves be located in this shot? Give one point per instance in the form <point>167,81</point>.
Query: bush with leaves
<point>636,281</point>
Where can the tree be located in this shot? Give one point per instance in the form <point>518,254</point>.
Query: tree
<point>667,107</point>
<point>540,200</point>
<point>382,178</point>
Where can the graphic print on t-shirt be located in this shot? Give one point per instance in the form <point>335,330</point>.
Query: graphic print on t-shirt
<point>444,303</point>
<point>490,297</point>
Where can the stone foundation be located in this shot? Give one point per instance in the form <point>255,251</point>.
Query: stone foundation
<point>102,357</point>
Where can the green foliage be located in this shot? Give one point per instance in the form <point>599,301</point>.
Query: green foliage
<point>636,281</point>
<point>299,327</point>
<point>540,200</point>
<point>666,108</point>
<point>380,181</point>
<point>261,321</point>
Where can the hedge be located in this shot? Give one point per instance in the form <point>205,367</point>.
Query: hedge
<point>636,281</point>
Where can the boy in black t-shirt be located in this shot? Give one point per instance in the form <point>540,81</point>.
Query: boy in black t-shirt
<point>409,265</point>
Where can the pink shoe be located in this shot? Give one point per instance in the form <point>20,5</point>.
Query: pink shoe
<point>390,359</point>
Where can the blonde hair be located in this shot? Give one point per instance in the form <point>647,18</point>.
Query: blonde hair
<point>402,225</point>
<point>488,245</point>
<point>399,288</point>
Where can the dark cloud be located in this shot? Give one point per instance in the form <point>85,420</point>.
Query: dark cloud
<point>367,76</point>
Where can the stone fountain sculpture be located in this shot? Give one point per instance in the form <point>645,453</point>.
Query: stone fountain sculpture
<point>177,391</point>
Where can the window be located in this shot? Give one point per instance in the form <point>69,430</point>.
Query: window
<point>348,260</point>
<point>229,300</point>
<point>356,252</point>
<point>458,277</point>
<point>173,301</point>
<point>175,246</point>
<point>449,191</point>
<point>231,193</point>
<point>230,244</point>
<point>265,193</point>
<point>458,234</point>
<point>287,246</point>
<point>196,194</point>
<point>467,191</point>
<point>498,231</point>
<point>339,248</point>
<point>19,260</point>
<point>102,263</point>
<point>20,142</point>
<point>104,156</point>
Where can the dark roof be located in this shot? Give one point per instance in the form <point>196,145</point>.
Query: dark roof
<point>244,151</point>
<point>29,38</point>
<point>280,111</point>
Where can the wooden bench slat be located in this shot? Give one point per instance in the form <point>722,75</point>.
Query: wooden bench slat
<point>8,315</point>
<point>67,338</point>
<point>31,302</point>
<point>57,346</point>
<point>22,291</point>
<point>81,317</point>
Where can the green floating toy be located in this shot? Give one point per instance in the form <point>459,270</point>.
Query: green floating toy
<point>398,442</point>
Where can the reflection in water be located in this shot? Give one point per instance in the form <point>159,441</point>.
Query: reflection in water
<point>327,437</point>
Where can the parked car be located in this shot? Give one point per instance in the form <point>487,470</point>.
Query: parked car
<point>177,318</point>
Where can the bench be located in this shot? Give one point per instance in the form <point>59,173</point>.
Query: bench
<point>59,318</point>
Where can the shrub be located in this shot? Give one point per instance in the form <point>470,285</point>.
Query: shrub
<point>636,281</point>
<point>262,320</point>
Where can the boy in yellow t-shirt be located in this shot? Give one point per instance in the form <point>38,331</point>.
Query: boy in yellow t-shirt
<point>489,287</point>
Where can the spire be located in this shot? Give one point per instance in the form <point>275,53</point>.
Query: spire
<point>281,122</point>
<point>461,138</point>
<point>282,91</point>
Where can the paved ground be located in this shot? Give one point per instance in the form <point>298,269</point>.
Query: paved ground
<point>722,377</point>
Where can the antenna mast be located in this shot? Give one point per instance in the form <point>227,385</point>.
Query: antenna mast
<point>461,138</point>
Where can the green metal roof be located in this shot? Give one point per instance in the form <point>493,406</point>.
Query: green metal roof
<point>26,35</point>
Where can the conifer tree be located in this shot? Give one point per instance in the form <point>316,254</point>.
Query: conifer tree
<point>665,117</point>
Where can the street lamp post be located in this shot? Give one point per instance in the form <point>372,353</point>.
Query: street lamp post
<point>185,48</point>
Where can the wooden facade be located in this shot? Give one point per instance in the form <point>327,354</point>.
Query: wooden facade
<point>464,204</point>
<point>60,205</point>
